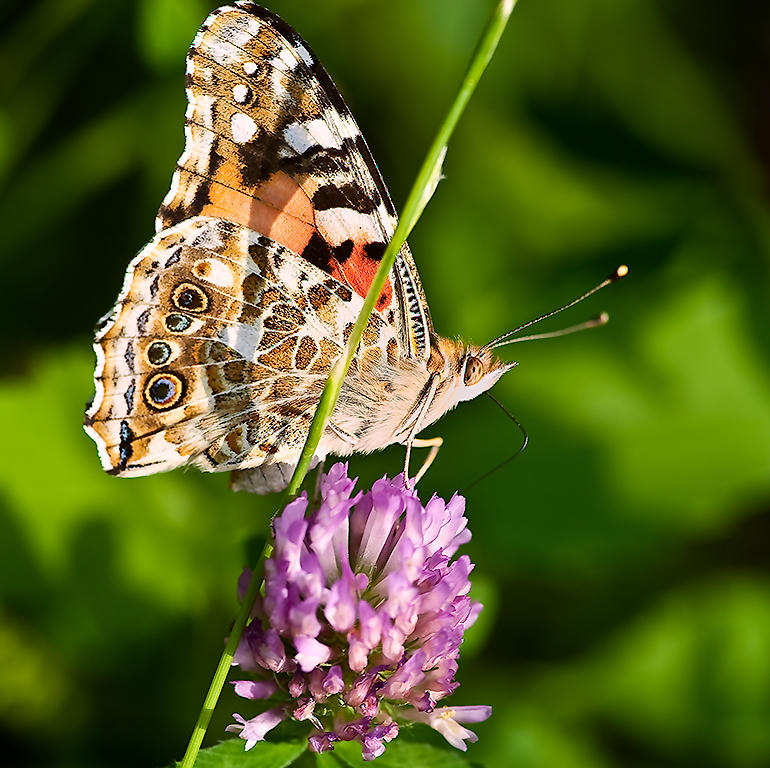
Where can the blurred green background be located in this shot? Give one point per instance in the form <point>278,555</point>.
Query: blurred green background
<point>623,558</point>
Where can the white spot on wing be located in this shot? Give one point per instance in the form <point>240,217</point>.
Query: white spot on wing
<point>347,127</point>
<point>243,127</point>
<point>340,223</point>
<point>276,78</point>
<point>301,136</point>
<point>236,36</point>
<point>222,51</point>
<point>287,57</point>
<point>240,93</point>
<point>213,271</point>
<point>298,138</point>
<point>304,54</point>
<point>252,25</point>
<point>243,339</point>
<point>249,67</point>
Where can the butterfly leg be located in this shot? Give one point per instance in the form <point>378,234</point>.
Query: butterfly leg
<point>421,408</point>
<point>434,443</point>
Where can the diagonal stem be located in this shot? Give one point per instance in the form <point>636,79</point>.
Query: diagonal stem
<point>225,661</point>
<point>422,190</point>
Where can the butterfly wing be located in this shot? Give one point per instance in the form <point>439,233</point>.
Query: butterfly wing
<point>217,351</point>
<point>271,145</point>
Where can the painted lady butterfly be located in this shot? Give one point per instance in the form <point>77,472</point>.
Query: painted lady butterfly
<point>230,319</point>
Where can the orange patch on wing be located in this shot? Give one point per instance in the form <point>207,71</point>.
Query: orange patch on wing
<point>358,272</point>
<point>279,208</point>
<point>283,211</point>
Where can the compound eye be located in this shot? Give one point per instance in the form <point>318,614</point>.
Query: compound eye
<point>474,371</point>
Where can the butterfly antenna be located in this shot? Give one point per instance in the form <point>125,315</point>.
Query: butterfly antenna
<point>518,453</point>
<point>507,338</point>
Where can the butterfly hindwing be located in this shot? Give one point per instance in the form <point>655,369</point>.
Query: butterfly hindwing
<point>271,145</point>
<point>217,352</point>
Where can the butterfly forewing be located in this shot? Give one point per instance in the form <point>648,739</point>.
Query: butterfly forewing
<point>271,145</point>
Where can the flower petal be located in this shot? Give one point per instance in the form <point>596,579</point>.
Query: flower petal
<point>334,682</point>
<point>406,677</point>
<point>310,653</point>
<point>471,714</point>
<point>340,609</point>
<point>322,742</point>
<point>445,721</point>
<point>254,730</point>
<point>255,689</point>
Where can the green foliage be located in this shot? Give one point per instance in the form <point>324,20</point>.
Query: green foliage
<point>231,754</point>
<point>623,557</point>
<point>345,755</point>
<point>164,28</point>
<point>399,753</point>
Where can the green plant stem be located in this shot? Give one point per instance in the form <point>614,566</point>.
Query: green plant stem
<point>422,190</point>
<point>225,661</point>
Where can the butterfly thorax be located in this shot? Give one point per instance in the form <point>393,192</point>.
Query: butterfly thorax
<point>389,403</point>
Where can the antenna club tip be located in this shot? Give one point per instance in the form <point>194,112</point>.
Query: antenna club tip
<point>621,271</point>
<point>603,318</point>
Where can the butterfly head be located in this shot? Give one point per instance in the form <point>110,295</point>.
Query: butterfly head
<point>479,370</point>
<point>470,370</point>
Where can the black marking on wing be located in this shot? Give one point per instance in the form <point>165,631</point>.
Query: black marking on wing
<point>141,321</point>
<point>343,250</point>
<point>126,451</point>
<point>344,196</point>
<point>374,250</point>
<point>128,355</point>
<point>318,253</point>
<point>259,158</point>
<point>174,258</point>
<point>128,396</point>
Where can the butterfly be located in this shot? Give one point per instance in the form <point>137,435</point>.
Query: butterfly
<point>230,319</point>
